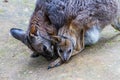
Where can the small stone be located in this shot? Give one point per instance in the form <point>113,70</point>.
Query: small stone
<point>2,63</point>
<point>25,73</point>
<point>30,72</point>
<point>26,10</point>
<point>5,0</point>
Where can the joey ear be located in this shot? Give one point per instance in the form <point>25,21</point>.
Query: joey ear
<point>56,39</point>
<point>18,34</point>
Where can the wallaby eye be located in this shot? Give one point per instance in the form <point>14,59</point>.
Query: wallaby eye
<point>60,51</point>
<point>69,51</point>
<point>44,48</point>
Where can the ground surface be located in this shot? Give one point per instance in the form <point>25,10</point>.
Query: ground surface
<point>98,62</point>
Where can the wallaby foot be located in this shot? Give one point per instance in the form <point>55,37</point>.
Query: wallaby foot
<point>116,24</point>
<point>92,35</point>
<point>55,63</point>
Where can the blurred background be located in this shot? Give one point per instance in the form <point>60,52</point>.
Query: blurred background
<point>98,62</point>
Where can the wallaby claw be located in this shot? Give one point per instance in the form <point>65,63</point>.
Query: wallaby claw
<point>34,55</point>
<point>116,24</point>
<point>55,63</point>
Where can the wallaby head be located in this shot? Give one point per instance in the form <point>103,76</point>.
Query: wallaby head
<point>65,42</point>
<point>36,37</point>
<point>70,39</point>
<point>64,47</point>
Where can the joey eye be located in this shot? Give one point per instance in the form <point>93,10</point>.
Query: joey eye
<point>69,51</point>
<point>60,51</point>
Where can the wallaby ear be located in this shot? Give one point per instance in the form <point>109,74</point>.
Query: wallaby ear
<point>33,30</point>
<point>18,34</point>
<point>56,39</point>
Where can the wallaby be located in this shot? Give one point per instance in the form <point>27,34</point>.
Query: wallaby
<point>84,20</point>
<point>78,22</point>
<point>37,35</point>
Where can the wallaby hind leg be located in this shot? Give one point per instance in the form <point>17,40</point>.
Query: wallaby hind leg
<point>116,24</point>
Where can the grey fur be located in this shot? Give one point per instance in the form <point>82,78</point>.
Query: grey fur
<point>61,11</point>
<point>92,35</point>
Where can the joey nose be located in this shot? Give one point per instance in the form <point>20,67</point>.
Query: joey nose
<point>65,57</point>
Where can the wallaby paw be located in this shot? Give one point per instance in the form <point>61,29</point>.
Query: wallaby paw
<point>34,55</point>
<point>55,63</point>
<point>48,58</point>
<point>116,24</point>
